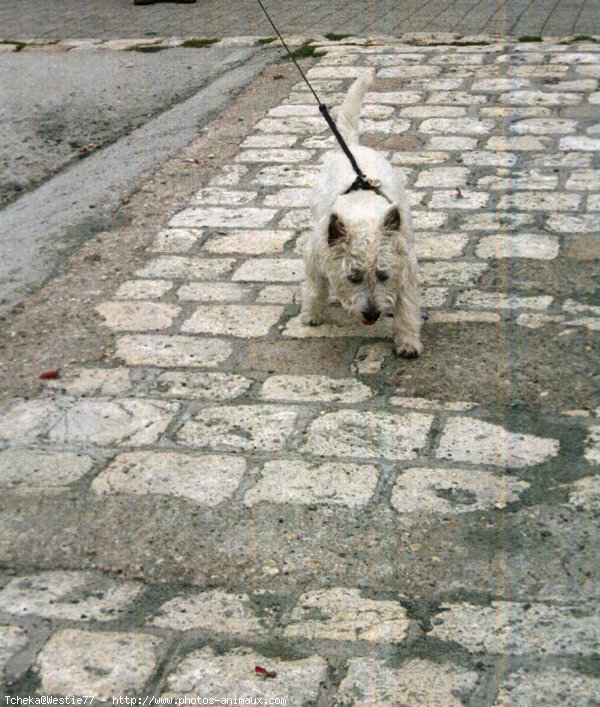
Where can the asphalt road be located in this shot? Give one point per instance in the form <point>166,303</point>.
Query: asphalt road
<point>81,131</point>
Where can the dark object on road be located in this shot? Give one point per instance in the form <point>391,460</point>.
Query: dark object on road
<point>49,375</point>
<point>259,670</point>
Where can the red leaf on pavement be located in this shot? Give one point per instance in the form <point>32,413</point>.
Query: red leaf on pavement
<point>264,672</point>
<point>48,375</point>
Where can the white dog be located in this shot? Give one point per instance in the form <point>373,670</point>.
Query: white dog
<point>362,244</point>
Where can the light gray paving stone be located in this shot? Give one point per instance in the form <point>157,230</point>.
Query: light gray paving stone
<point>105,382</point>
<point>416,683</point>
<point>499,84</point>
<point>270,270</point>
<point>296,218</point>
<point>499,300</point>
<point>540,201</point>
<point>73,596</point>
<point>584,180</point>
<point>579,142</point>
<point>278,294</point>
<point>493,221</point>
<point>286,176</point>
<point>563,223</point>
<point>456,98</point>
<point>539,72</point>
<point>453,491</point>
<point>592,70</point>
<point>483,158</point>
<point>214,610</point>
<point>447,273</point>
<point>230,175</point>
<point>176,240</point>
<point>249,242</point>
<point>517,143</point>
<point>137,316</point>
<point>301,482</point>
<point>593,202</point>
<point>167,351</point>
<point>219,216</point>
<point>12,640</point>
<point>201,385</point>
<point>370,435</point>
<point>26,470</point>
<point>370,358</point>
<point>289,197</point>
<point>419,158</point>
<point>291,124</point>
<point>444,245</point>
<point>452,142</point>
<point>431,404</point>
<point>562,160</point>
<point>575,58</point>
<point>397,98</point>
<point>450,200</point>
<point>462,126</point>
<point>387,127</point>
<point>513,112</point>
<point>143,289</point>
<point>213,292</point>
<point>466,439</point>
<point>178,266</point>
<point>205,480</point>
<point>232,673</point>
<point>267,140</point>
<point>460,316</point>
<point>241,428</point>
<point>233,320</point>
<point>222,197</point>
<point>88,421</point>
<point>535,320</point>
<point>442,177</point>
<point>585,493</point>
<point>335,72</point>
<point>104,665</point>
<point>522,245</point>
<point>533,180</point>
<point>592,448</point>
<point>313,388</point>
<point>552,687</point>
<point>341,614</point>
<point>516,629</point>
<point>464,59</point>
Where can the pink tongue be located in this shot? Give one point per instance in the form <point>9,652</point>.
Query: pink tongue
<point>366,323</point>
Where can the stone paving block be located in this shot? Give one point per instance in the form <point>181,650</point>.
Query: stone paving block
<point>341,614</point>
<point>579,142</point>
<point>462,126</point>
<point>281,155</point>
<point>254,242</point>
<point>517,143</point>
<point>540,201</point>
<point>143,289</point>
<point>104,665</point>
<point>137,316</point>
<point>585,494</point>
<point>213,292</point>
<point>455,98</point>
<point>415,684</point>
<point>553,687</point>
<point>314,388</point>
<point>452,142</point>
<point>267,140</point>
<point>450,200</point>
<point>370,358</point>
<point>167,351</point>
<point>177,266</point>
<point>444,273</point>
<point>223,197</point>
<point>584,180</point>
<point>214,610</point>
<point>462,316</point>
<point>229,175</point>
<point>483,158</point>
<point>498,300</point>
<point>286,176</point>
<point>442,177</point>
<point>233,320</point>
<point>72,596</point>
<point>105,382</point>
<point>206,480</point>
<point>426,220</point>
<point>543,126</point>
<point>419,158</point>
<point>592,449</point>
<point>218,217</point>
<point>296,219</point>
<point>26,470</point>
<point>87,421</point>
<point>517,629</point>
<point>453,491</point>
<point>12,640</point>
<point>215,676</point>
<point>279,294</point>
<point>270,270</point>
<point>301,482</point>
<point>522,245</point>
<point>530,180</point>
<point>499,85</point>
<point>201,385</point>
<point>394,97</point>
<point>370,435</point>
<point>242,428</point>
<point>466,439</point>
<point>176,240</point>
<point>563,223</point>
<point>492,221</point>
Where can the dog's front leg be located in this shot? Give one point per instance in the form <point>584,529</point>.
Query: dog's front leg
<point>315,295</point>
<point>407,318</point>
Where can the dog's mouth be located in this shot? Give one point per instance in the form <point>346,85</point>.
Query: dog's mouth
<point>367,322</point>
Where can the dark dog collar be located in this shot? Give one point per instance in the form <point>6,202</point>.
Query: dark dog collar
<point>366,184</point>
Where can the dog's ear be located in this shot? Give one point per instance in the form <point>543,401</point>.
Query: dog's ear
<point>336,230</point>
<point>392,220</point>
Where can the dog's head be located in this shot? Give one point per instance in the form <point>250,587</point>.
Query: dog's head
<point>366,258</point>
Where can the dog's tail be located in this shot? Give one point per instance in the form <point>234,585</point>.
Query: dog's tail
<point>349,112</point>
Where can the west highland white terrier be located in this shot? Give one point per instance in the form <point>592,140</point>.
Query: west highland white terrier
<point>362,248</point>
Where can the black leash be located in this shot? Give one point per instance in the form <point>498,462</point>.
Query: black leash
<point>361,181</point>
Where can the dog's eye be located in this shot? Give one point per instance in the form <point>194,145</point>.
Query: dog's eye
<point>356,277</point>
<point>382,276</point>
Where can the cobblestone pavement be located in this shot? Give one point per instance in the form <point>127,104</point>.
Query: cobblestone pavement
<point>234,489</point>
<point>50,19</point>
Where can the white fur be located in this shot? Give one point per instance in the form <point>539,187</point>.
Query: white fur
<point>367,247</point>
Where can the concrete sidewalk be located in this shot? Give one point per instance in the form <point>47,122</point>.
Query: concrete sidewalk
<point>227,488</point>
<point>50,19</point>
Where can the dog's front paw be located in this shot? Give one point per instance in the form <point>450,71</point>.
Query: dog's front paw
<point>409,349</point>
<point>311,319</point>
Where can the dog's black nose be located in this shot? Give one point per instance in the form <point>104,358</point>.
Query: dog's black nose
<point>371,315</point>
